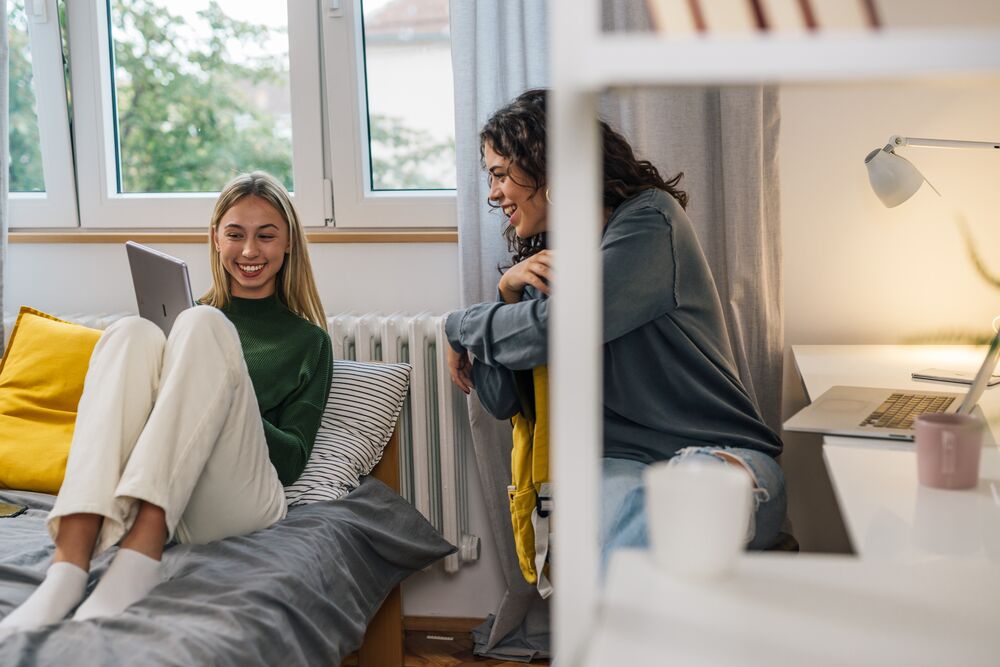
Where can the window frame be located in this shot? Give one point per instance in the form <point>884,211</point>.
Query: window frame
<point>330,160</point>
<point>102,207</point>
<point>356,205</point>
<point>56,206</point>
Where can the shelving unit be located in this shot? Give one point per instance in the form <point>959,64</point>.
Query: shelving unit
<point>585,62</point>
<point>614,60</point>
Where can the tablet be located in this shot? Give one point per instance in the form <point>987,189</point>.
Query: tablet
<point>162,287</point>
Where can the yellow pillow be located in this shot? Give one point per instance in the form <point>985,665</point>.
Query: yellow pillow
<point>41,380</point>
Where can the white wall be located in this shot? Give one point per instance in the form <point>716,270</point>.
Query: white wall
<point>363,277</point>
<point>856,271</point>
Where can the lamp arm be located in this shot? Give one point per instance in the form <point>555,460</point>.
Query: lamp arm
<point>896,141</point>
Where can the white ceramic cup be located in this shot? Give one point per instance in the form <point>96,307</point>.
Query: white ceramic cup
<point>697,515</point>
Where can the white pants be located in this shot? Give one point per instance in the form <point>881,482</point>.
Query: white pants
<point>174,422</point>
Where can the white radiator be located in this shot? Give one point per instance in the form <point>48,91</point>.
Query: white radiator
<point>434,434</point>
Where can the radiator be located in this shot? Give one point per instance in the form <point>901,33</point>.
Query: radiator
<point>434,434</point>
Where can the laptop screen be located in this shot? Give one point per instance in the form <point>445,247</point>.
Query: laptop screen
<point>982,377</point>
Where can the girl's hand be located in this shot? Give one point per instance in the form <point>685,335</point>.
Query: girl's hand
<point>535,271</point>
<point>459,367</point>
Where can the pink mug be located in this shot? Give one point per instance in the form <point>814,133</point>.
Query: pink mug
<point>948,447</point>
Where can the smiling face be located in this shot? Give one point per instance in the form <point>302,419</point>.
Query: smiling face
<point>252,240</point>
<point>511,190</point>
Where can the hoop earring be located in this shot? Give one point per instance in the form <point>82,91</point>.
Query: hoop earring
<point>547,197</point>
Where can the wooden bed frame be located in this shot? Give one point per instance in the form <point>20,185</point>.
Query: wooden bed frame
<point>383,644</point>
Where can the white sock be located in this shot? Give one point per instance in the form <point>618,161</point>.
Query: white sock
<point>129,578</point>
<point>60,591</point>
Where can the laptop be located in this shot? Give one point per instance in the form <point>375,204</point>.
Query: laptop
<point>162,287</point>
<point>887,413</point>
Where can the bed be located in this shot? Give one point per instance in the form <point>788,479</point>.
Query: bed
<point>301,592</point>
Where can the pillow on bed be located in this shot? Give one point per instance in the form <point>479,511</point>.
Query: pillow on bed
<point>41,380</point>
<point>361,412</point>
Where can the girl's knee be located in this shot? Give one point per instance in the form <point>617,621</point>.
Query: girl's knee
<point>204,319</point>
<point>199,316</point>
<point>205,328</point>
<point>135,331</point>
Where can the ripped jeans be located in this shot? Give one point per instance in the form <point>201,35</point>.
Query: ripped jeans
<point>623,498</point>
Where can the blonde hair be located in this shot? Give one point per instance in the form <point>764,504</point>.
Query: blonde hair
<point>295,285</point>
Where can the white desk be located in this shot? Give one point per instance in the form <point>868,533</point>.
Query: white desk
<point>925,590</point>
<point>889,516</point>
<point>788,609</point>
<point>892,518</point>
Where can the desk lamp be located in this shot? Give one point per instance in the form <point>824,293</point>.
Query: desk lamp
<point>894,178</point>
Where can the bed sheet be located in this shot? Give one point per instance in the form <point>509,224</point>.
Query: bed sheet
<point>299,593</point>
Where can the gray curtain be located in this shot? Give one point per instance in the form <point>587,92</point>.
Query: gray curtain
<point>4,156</point>
<point>499,48</point>
<point>726,143</point>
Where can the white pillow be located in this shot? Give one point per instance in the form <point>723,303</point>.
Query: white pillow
<point>361,412</point>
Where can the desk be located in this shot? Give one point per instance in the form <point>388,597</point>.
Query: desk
<point>804,609</point>
<point>889,516</point>
<point>892,518</point>
<point>924,591</point>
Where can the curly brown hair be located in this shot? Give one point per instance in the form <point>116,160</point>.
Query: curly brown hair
<point>517,132</point>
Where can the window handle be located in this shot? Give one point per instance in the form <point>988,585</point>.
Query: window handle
<point>334,9</point>
<point>39,13</point>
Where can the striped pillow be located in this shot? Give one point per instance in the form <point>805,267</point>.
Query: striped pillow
<point>360,415</point>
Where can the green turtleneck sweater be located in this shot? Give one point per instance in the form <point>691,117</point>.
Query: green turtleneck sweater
<point>290,363</point>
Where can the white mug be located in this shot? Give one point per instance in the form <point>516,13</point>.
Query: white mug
<point>697,513</point>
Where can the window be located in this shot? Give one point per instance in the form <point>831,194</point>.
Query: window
<point>170,98</point>
<point>42,192</point>
<point>184,94</point>
<point>391,112</point>
<point>408,82</point>
<point>25,147</point>
<point>200,92</point>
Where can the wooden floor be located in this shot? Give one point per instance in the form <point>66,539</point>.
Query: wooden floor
<point>447,649</point>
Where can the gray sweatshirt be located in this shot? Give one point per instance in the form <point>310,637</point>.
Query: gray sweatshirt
<point>670,379</point>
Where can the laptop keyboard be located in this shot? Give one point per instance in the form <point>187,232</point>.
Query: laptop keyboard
<point>899,410</point>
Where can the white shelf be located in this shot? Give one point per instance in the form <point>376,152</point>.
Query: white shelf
<point>621,59</point>
<point>799,609</point>
<point>584,62</point>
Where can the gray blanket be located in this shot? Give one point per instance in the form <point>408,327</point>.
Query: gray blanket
<point>299,593</point>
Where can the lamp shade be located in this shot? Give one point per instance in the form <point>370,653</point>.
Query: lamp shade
<point>893,178</point>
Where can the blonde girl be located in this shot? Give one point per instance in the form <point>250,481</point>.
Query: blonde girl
<point>192,437</point>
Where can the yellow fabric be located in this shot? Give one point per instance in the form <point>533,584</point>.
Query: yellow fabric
<point>41,380</point>
<point>529,465</point>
